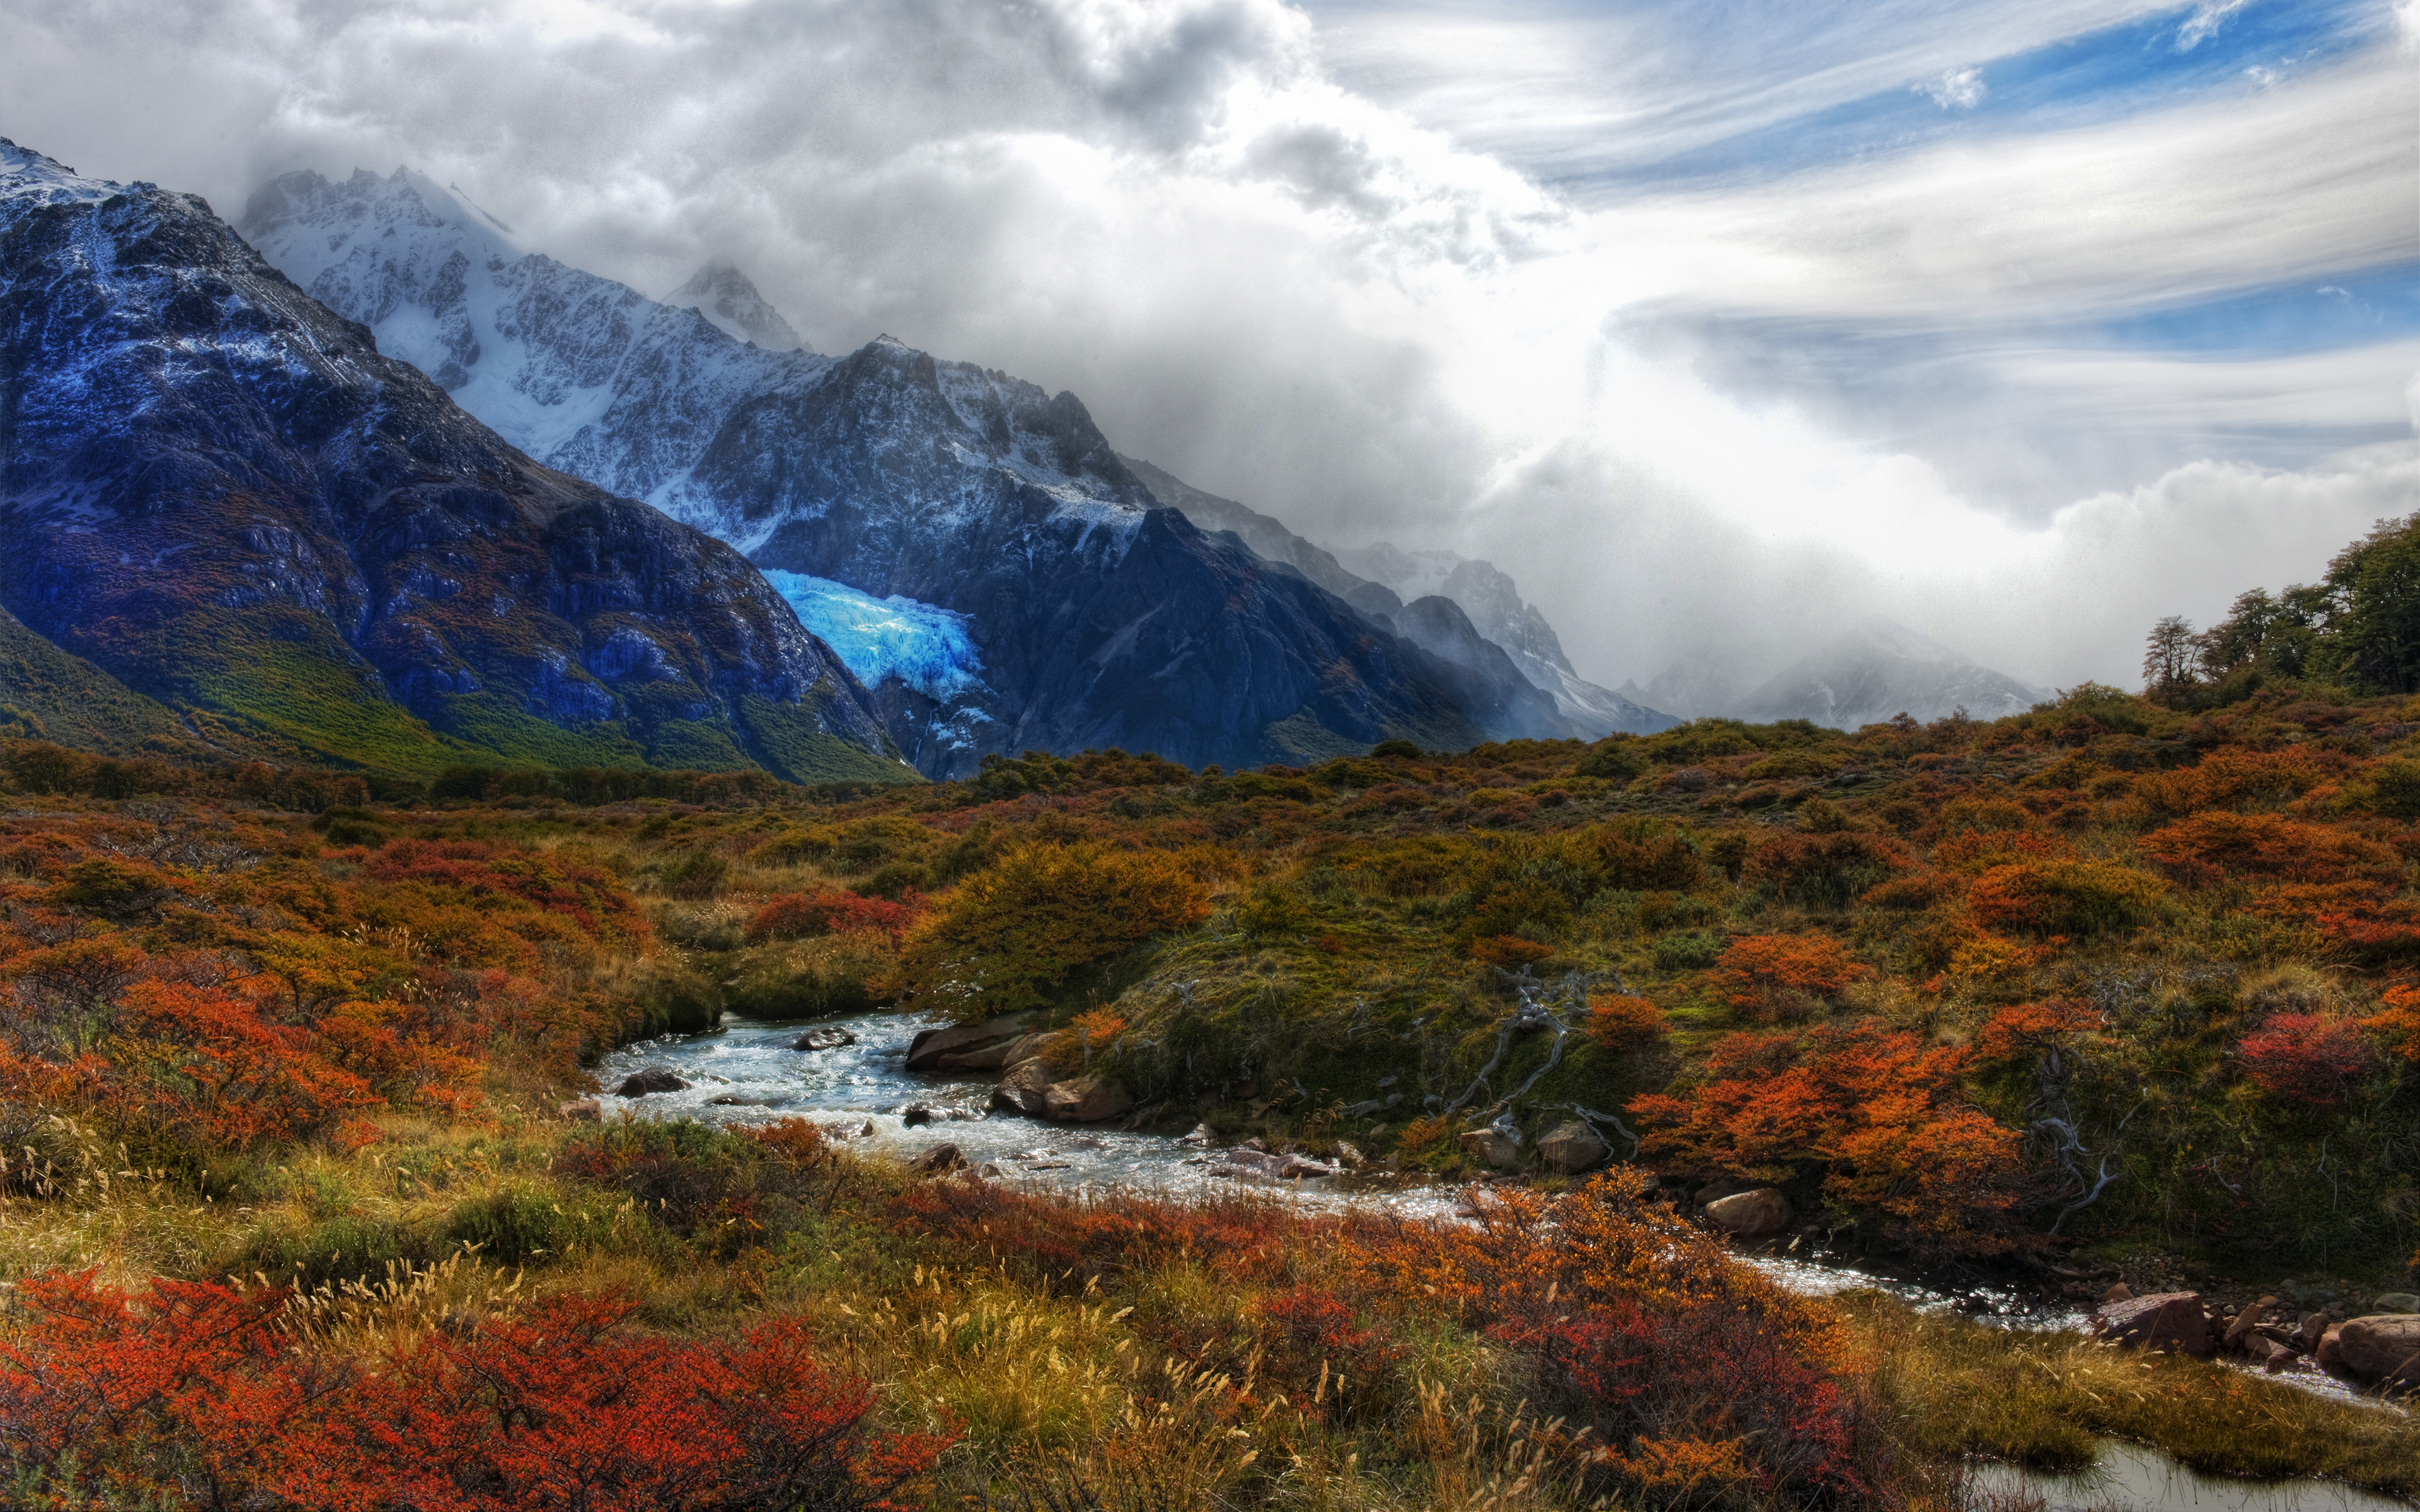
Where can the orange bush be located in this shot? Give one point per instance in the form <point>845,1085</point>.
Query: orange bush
<point>1622,1023</point>
<point>2399,1021</point>
<point>2309,1059</point>
<point>1784,976</point>
<point>1509,951</point>
<point>2229,778</point>
<point>1879,1112</point>
<point>1824,869</point>
<point>2200,851</point>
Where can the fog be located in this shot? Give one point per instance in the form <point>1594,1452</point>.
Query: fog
<point>1588,291</point>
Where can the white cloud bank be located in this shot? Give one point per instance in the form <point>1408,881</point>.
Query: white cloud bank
<point>1288,290</point>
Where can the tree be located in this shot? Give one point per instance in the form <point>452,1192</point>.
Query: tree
<point>2170,660</point>
<point>2376,581</point>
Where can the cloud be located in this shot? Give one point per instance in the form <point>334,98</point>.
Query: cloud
<point>1955,89</point>
<point>1364,302</point>
<point>2205,21</point>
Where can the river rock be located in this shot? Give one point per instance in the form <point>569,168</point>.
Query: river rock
<point>911,1118</point>
<point>1086,1099</point>
<point>1202,1136</point>
<point>925,1051</point>
<point>1719,1188</point>
<point>2375,1345</point>
<point>2395,1301</point>
<point>585,1110</point>
<point>938,1161</point>
<point>1025,1089</point>
<point>2248,1319</point>
<point>824,1039</point>
<point>2172,1322</point>
<point>2118,1292</point>
<point>1492,1148</point>
<point>1571,1148</point>
<point>1750,1215</point>
<point>997,1056</point>
<point>2307,1337</point>
<point>648,1082</point>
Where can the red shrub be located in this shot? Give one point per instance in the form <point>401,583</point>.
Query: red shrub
<point>203,1061</point>
<point>2027,1029</point>
<point>798,916</point>
<point>2306,1058</point>
<point>128,1398</point>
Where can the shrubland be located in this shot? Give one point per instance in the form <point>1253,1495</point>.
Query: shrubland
<point>2126,976</point>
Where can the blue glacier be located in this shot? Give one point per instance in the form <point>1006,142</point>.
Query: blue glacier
<point>923,645</point>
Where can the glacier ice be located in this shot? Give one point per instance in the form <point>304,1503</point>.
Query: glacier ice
<point>925,646</point>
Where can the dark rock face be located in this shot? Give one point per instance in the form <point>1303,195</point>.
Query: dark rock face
<point>219,493</point>
<point>1103,620</point>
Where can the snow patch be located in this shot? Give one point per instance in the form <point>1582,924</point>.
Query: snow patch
<point>923,645</point>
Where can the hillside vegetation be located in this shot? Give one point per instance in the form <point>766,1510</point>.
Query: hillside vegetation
<point>2123,980</point>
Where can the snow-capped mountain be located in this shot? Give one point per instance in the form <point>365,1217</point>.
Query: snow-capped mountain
<point>724,295</point>
<point>1877,669</point>
<point>220,494</point>
<point>971,543</point>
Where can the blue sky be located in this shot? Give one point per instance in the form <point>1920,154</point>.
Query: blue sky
<point>1765,105</point>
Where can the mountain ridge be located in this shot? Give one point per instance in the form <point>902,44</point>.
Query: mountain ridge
<point>224,498</point>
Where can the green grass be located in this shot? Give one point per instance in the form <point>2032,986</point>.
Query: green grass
<point>54,695</point>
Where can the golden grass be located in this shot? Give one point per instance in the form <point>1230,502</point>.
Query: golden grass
<point>1961,1389</point>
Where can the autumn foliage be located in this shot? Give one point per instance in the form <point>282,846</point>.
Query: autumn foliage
<point>2307,1060</point>
<point>1784,976</point>
<point>1879,1114</point>
<point>833,911</point>
<point>200,1395</point>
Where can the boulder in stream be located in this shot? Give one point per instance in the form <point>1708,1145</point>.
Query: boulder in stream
<point>649,1082</point>
<point>2175,1322</point>
<point>1025,1089</point>
<point>1086,1099</point>
<point>824,1039</point>
<point>2378,1346</point>
<point>1571,1148</point>
<point>926,1051</point>
<point>1751,1214</point>
<point>938,1161</point>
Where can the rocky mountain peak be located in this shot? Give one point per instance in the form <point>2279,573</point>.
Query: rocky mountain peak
<point>722,293</point>
<point>228,499</point>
